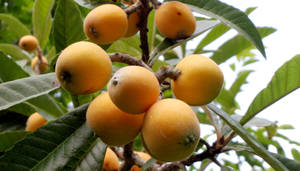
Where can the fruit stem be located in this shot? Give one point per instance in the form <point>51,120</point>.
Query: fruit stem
<point>39,55</point>
<point>165,72</point>
<point>127,59</point>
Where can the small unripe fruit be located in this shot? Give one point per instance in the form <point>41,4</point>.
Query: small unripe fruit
<point>133,21</point>
<point>111,161</point>
<point>34,122</point>
<point>42,67</point>
<point>171,130</point>
<point>28,43</point>
<point>134,89</point>
<point>113,126</point>
<point>83,68</point>
<point>143,156</point>
<point>106,24</point>
<point>175,20</point>
<point>200,80</point>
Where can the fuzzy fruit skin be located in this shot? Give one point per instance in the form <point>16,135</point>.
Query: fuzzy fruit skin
<point>106,24</point>
<point>43,66</point>
<point>133,89</point>
<point>112,125</point>
<point>133,20</point>
<point>83,68</point>
<point>200,80</point>
<point>175,20</point>
<point>143,156</point>
<point>111,161</point>
<point>28,43</point>
<point>171,130</point>
<point>34,122</point>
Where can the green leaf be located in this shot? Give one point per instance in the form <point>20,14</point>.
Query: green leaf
<point>130,46</point>
<point>248,138</point>
<point>14,25</point>
<point>292,165</point>
<point>236,45</point>
<point>9,70</point>
<point>151,30</point>
<point>168,44</point>
<point>11,121</point>
<point>285,80</point>
<point>42,20</point>
<point>14,51</point>
<point>91,3</point>
<point>229,15</point>
<point>296,154</point>
<point>18,91</point>
<point>46,106</point>
<point>254,122</point>
<point>94,157</point>
<point>241,79</point>
<point>286,126</point>
<point>211,36</point>
<point>67,24</point>
<point>59,145</point>
<point>8,139</point>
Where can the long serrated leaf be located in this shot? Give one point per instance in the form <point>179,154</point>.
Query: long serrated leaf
<point>236,45</point>
<point>18,91</point>
<point>292,165</point>
<point>14,51</point>
<point>9,70</point>
<point>42,20</point>
<point>296,154</point>
<point>249,139</point>
<point>59,145</point>
<point>168,44</point>
<point>94,157</point>
<point>285,80</point>
<point>67,24</point>
<point>230,16</point>
<point>14,25</point>
<point>8,139</point>
<point>151,30</point>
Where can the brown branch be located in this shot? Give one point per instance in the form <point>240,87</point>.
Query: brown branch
<point>127,59</point>
<point>128,159</point>
<point>39,55</point>
<point>155,4</point>
<point>165,72</point>
<point>143,12</point>
<point>132,8</point>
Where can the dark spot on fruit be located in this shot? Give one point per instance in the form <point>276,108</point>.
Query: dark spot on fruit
<point>66,76</point>
<point>114,81</point>
<point>94,31</point>
<point>178,13</point>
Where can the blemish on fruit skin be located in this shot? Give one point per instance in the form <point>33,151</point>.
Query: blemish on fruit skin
<point>178,13</point>
<point>66,76</point>
<point>114,81</point>
<point>94,31</point>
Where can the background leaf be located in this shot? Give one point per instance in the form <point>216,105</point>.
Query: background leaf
<point>285,80</point>
<point>42,20</point>
<point>14,25</point>
<point>236,45</point>
<point>67,25</point>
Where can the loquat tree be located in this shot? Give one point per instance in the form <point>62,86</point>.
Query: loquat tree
<point>125,90</point>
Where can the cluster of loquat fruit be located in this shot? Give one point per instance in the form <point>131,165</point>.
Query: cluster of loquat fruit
<point>169,127</point>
